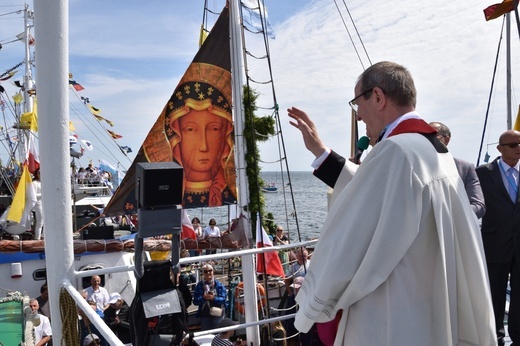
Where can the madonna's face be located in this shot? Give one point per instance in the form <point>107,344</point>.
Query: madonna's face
<point>202,144</point>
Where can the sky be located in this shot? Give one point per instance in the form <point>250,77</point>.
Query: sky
<point>130,55</point>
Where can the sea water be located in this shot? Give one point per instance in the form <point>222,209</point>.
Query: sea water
<point>299,205</point>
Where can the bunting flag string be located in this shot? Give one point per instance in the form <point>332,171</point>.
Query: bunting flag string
<point>9,75</point>
<point>11,69</point>
<point>76,85</point>
<point>94,111</point>
<point>114,135</point>
<point>126,149</point>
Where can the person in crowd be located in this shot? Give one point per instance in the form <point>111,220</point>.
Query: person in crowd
<point>293,280</point>
<point>43,301</point>
<point>199,232</point>
<point>298,268</point>
<point>117,317</point>
<point>500,227</point>
<point>91,340</point>
<point>222,339</point>
<point>412,259</point>
<point>183,288</point>
<point>98,293</point>
<point>281,239</point>
<point>86,327</point>
<point>466,171</point>
<point>81,176</point>
<point>277,336</point>
<point>294,287</point>
<point>38,211</point>
<point>41,323</point>
<point>209,293</point>
<point>211,231</point>
<point>187,275</point>
<point>197,227</point>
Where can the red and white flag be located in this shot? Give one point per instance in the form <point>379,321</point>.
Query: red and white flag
<point>33,158</point>
<point>273,265</point>
<point>187,227</point>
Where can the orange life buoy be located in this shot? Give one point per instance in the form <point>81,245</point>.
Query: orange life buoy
<point>261,297</point>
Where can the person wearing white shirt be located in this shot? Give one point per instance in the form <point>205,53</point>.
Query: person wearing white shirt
<point>42,325</point>
<point>211,231</point>
<point>98,294</point>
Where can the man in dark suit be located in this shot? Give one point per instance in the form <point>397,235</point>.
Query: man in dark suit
<point>501,232</point>
<point>466,171</point>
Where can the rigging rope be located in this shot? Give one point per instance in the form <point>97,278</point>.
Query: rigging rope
<point>490,92</point>
<point>350,36</point>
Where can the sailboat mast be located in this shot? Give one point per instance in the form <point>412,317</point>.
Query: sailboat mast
<point>51,25</point>
<point>28,82</point>
<point>248,267</point>
<point>508,49</point>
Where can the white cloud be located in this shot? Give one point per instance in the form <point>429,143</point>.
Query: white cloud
<point>129,57</point>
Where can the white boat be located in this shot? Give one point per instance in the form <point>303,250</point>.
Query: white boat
<point>270,187</point>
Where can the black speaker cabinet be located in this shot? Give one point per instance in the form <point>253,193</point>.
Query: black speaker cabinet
<point>98,232</point>
<point>159,184</point>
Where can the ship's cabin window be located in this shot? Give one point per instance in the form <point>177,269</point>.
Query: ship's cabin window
<point>40,274</point>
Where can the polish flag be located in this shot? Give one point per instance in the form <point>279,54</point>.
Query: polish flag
<point>273,265</point>
<point>187,228</point>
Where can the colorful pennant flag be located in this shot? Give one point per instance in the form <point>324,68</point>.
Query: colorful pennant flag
<point>187,227</point>
<point>94,110</point>
<point>100,118</point>
<point>273,265</point>
<point>87,145</point>
<point>23,201</point>
<point>126,149</point>
<point>114,135</point>
<point>9,75</point>
<point>18,98</point>
<point>497,10</point>
<point>76,85</point>
<point>30,119</point>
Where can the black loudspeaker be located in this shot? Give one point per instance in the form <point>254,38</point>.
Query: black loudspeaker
<point>98,232</point>
<point>159,184</point>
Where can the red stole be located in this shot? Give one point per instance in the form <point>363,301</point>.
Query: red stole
<point>413,125</point>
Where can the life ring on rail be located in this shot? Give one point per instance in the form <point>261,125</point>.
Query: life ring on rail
<point>261,302</point>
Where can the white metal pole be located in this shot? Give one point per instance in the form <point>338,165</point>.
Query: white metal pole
<point>28,83</point>
<point>248,267</point>
<point>51,36</point>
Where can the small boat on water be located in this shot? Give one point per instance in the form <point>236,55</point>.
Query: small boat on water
<point>270,187</point>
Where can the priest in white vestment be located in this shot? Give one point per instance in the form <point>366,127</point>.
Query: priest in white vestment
<point>400,254</point>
